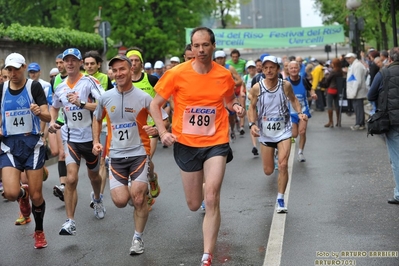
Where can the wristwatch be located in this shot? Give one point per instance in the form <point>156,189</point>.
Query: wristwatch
<point>82,104</point>
<point>251,124</point>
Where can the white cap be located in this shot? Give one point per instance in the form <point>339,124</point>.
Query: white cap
<point>175,59</point>
<point>147,65</point>
<point>279,60</point>
<point>270,58</point>
<point>313,59</point>
<point>250,63</point>
<point>350,55</point>
<point>158,64</point>
<point>54,71</point>
<point>220,54</point>
<point>15,60</point>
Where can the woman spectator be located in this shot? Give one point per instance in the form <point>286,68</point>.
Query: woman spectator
<point>332,91</point>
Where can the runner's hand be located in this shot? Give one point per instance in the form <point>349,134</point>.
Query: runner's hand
<point>97,149</point>
<point>53,128</point>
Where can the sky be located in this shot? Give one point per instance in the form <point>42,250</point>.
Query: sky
<point>310,17</point>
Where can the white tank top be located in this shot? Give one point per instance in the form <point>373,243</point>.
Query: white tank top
<point>273,113</point>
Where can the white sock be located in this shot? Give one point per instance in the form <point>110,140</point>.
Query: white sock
<point>205,256</point>
<point>137,235</point>
<point>300,151</point>
<point>280,196</point>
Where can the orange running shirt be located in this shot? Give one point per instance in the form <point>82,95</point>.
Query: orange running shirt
<point>200,118</point>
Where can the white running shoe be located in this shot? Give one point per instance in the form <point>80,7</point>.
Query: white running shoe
<point>137,246</point>
<point>99,209</point>
<point>68,228</point>
<point>280,206</point>
<point>301,158</point>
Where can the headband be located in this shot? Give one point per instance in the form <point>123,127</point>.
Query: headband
<point>135,52</point>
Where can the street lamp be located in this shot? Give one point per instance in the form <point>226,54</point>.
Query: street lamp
<point>355,25</point>
<point>256,15</point>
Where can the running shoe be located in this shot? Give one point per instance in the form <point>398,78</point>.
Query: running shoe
<point>280,206</point>
<point>301,158</point>
<point>207,262</point>
<point>24,204</point>
<point>155,189</point>
<point>45,173</point>
<point>150,201</point>
<point>68,228</point>
<point>242,131</point>
<point>98,206</point>
<point>92,202</point>
<point>137,246</point>
<point>40,239</point>
<point>357,127</point>
<point>203,205</point>
<point>58,191</point>
<point>255,151</point>
<point>233,136</point>
<point>22,220</point>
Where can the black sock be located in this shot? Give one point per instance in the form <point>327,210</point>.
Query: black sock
<point>38,214</point>
<point>22,193</point>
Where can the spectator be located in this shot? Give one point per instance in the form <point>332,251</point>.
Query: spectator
<point>332,92</point>
<point>317,75</point>
<point>384,58</point>
<point>375,94</point>
<point>356,89</point>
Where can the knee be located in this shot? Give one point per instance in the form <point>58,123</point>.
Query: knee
<point>283,166</point>
<point>139,201</point>
<point>212,200</point>
<point>36,197</point>
<point>268,170</point>
<point>193,205</point>
<point>119,203</point>
<point>11,195</point>
<point>71,182</point>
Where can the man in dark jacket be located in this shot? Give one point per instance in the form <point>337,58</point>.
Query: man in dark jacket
<point>391,74</point>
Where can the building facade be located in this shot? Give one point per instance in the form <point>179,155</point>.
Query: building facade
<point>270,13</point>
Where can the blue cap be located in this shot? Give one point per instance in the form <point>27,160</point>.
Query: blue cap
<point>34,67</point>
<point>72,51</point>
<point>59,56</point>
<point>263,56</point>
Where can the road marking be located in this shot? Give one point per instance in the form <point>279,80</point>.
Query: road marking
<point>276,235</point>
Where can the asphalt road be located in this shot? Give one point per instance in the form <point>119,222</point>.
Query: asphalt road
<point>337,203</point>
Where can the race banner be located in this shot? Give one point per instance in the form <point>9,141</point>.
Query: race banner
<point>276,38</point>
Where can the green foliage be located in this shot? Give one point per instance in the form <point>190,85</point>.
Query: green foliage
<point>51,36</point>
<point>376,14</point>
<point>156,26</point>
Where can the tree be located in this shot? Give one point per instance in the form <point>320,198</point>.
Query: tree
<point>158,27</point>
<point>374,12</point>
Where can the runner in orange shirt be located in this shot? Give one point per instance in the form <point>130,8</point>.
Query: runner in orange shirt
<point>201,90</point>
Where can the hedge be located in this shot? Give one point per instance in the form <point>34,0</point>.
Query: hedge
<point>52,37</point>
